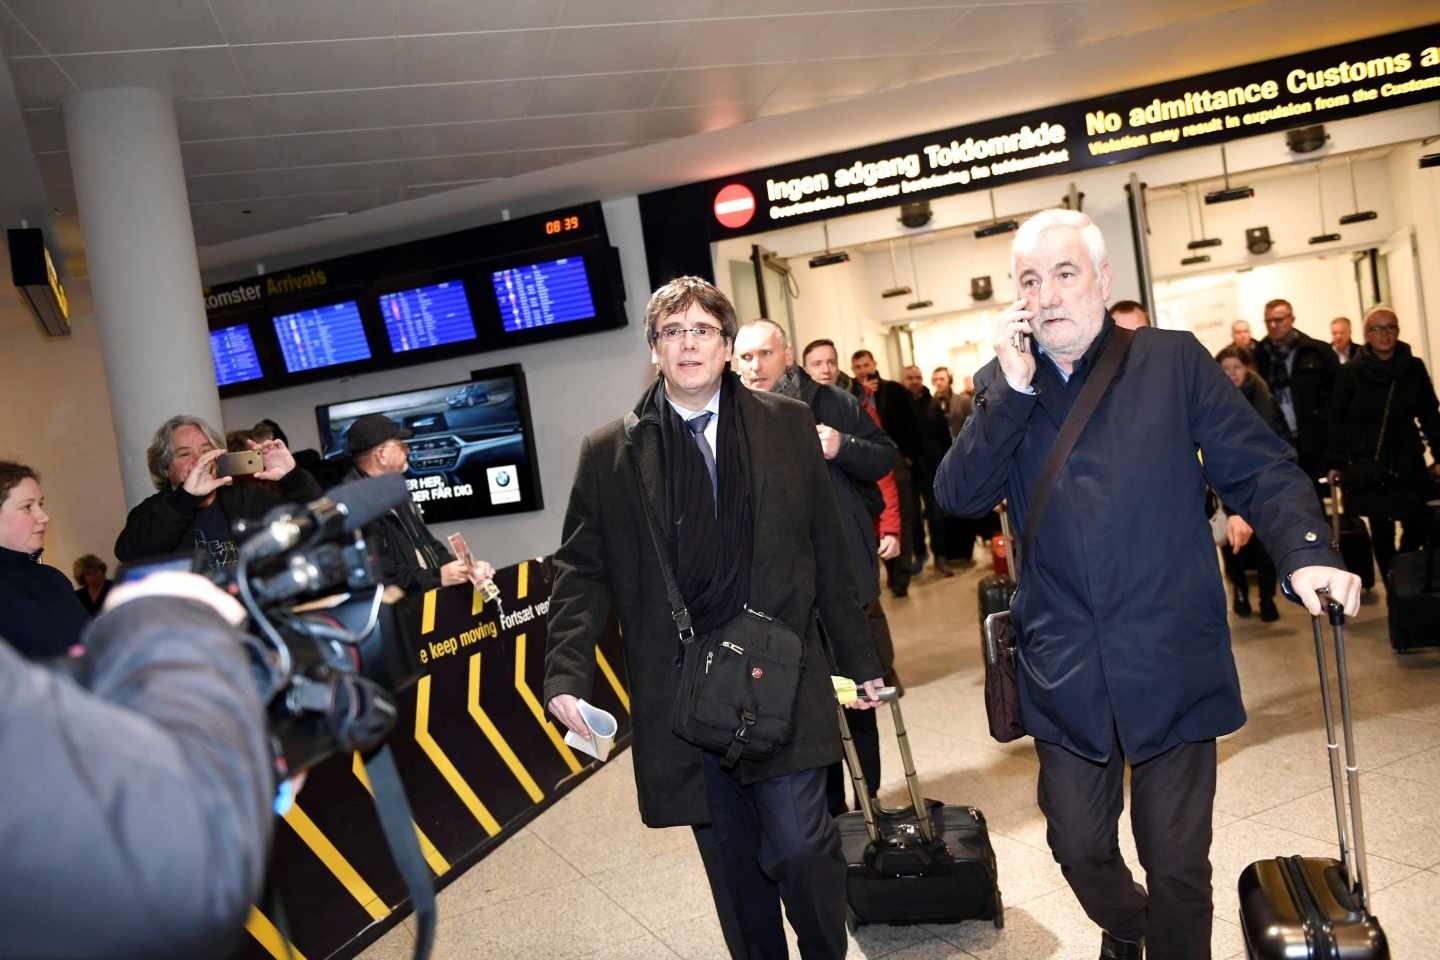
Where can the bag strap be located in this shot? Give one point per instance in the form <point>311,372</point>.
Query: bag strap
<point>1385,420</point>
<point>1096,384</point>
<point>678,611</point>
<point>398,826</point>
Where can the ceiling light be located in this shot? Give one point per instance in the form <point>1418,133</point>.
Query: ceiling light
<point>1359,216</point>
<point>917,303</point>
<point>1320,197</point>
<point>1429,160</point>
<point>829,257</point>
<point>1191,261</point>
<point>1195,244</point>
<point>894,290</point>
<point>997,226</point>
<point>1229,193</point>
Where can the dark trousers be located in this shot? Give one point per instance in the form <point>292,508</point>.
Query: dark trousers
<point>1172,796</point>
<point>1251,555</point>
<point>771,842</point>
<point>1382,537</point>
<point>897,571</point>
<point>933,517</point>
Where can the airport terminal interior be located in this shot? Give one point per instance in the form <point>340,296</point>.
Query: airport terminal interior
<point>451,213</point>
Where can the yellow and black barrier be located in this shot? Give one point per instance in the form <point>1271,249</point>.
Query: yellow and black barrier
<point>477,756</point>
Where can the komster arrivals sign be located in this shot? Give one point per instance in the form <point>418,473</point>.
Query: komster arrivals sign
<point>1347,80</point>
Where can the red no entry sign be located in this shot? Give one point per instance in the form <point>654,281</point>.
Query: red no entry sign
<point>734,205</point>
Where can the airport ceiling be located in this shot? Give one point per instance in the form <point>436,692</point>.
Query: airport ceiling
<point>292,112</point>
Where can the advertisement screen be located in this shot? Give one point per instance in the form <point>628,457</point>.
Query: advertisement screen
<point>472,453</point>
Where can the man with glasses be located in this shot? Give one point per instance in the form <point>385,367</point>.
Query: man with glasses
<point>410,556</point>
<point>1300,372</point>
<point>1384,399</point>
<point>746,517</point>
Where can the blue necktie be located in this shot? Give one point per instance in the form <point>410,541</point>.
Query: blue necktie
<point>697,427</point>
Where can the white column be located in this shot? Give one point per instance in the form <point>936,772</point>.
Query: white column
<point>140,248</point>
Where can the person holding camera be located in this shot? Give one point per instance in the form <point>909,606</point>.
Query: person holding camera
<point>409,554</point>
<point>195,507</point>
<point>138,784</point>
<point>42,617</point>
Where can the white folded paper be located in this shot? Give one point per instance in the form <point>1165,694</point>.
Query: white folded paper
<point>602,732</point>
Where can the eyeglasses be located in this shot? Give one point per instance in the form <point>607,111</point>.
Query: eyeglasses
<point>1383,328</point>
<point>702,333</point>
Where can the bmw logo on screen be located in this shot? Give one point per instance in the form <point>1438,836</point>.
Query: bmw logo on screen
<point>504,485</point>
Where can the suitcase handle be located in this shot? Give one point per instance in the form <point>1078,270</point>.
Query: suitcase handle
<point>1352,842</point>
<point>912,782</point>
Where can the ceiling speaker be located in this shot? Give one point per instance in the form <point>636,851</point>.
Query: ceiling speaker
<point>1257,240</point>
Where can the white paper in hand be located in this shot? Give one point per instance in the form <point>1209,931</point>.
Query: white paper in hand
<point>602,732</point>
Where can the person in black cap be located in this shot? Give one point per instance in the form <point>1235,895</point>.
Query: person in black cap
<point>410,556</point>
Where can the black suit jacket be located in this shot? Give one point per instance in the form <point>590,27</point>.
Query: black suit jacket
<point>798,571</point>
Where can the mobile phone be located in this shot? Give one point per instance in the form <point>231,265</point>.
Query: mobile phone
<point>241,464</point>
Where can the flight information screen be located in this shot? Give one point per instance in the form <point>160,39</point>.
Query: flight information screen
<point>232,350</point>
<point>323,337</point>
<point>427,316</point>
<point>542,294</point>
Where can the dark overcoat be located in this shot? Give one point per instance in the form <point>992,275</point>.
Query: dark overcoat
<point>1121,608</point>
<point>798,569</point>
<point>1312,382</point>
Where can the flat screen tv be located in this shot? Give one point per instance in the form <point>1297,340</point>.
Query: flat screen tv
<point>543,294</point>
<point>322,336</point>
<point>473,452</point>
<point>232,350</point>
<point>430,316</point>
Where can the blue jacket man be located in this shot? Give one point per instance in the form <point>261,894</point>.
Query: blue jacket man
<point>1124,650</point>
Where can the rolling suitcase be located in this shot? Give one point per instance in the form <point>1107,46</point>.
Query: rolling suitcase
<point>1348,534</point>
<point>1414,599</point>
<point>928,863</point>
<point>1297,908</point>
<point>997,588</point>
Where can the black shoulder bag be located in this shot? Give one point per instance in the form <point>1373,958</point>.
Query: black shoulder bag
<point>1002,640</point>
<point>739,682</point>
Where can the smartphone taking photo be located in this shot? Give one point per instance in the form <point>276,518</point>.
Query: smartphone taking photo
<point>242,464</point>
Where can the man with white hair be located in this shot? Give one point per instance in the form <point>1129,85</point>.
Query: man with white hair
<point>1124,653</point>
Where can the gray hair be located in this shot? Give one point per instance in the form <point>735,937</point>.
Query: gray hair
<point>679,295</point>
<point>1377,310</point>
<point>162,447</point>
<point>1030,231</point>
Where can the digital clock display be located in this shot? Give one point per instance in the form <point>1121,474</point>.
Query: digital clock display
<point>566,224</point>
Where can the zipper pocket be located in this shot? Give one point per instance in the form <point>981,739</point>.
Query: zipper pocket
<point>763,616</point>
<point>709,659</point>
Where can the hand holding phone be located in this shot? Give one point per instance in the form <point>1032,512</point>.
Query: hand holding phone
<point>1013,341</point>
<point>243,464</point>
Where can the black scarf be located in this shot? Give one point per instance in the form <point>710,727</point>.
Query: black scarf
<point>711,549</point>
<point>1277,355</point>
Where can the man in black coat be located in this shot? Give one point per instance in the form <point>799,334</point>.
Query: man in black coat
<point>737,485</point>
<point>1300,372</point>
<point>1124,653</point>
<point>934,443</point>
<point>195,509</point>
<point>1384,400</point>
<point>410,556</point>
<point>858,454</point>
<point>897,418</point>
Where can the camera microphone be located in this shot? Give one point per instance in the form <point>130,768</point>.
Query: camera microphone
<point>345,509</point>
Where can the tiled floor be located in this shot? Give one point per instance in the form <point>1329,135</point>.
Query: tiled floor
<point>587,880</point>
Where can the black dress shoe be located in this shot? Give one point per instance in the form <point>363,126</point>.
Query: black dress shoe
<point>1113,948</point>
<point>1242,605</point>
<point>1268,613</point>
<point>942,568</point>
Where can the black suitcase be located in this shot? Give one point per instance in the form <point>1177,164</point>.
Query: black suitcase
<point>1349,535</point>
<point>997,589</point>
<point>1298,908</point>
<point>936,866</point>
<point>1414,598</point>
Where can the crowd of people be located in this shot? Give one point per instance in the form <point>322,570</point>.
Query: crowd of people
<point>778,486</point>
<point>1359,415</point>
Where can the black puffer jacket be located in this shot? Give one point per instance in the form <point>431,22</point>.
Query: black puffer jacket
<point>137,817</point>
<point>1359,408</point>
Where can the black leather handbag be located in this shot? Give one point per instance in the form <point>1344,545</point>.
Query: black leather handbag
<point>738,682</point>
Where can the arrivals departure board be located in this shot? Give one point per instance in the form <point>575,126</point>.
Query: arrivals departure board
<point>232,350</point>
<point>427,316</point>
<point>323,337</point>
<point>543,294</point>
